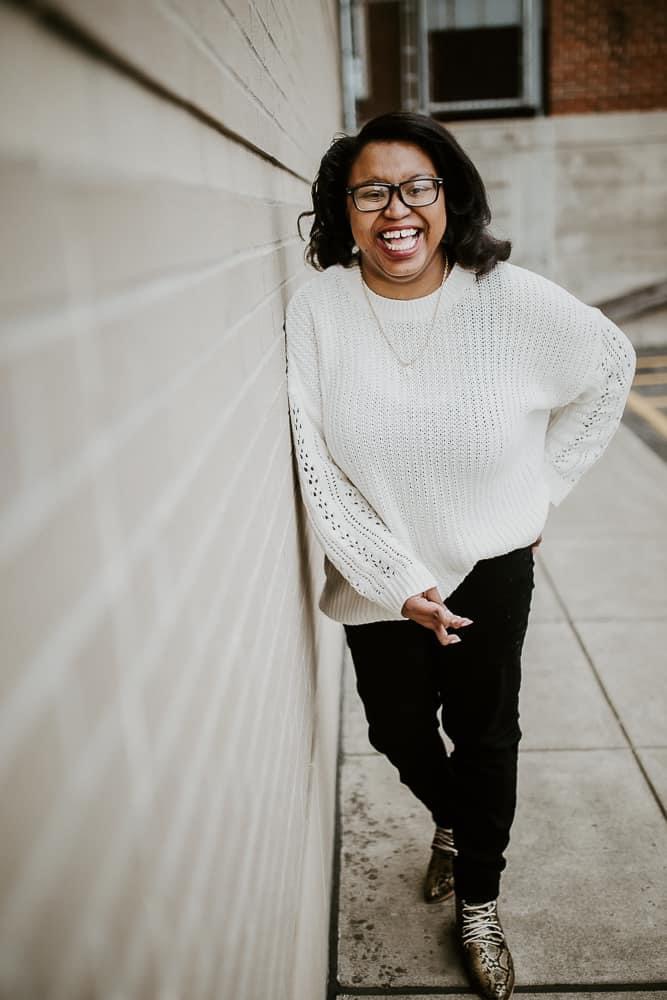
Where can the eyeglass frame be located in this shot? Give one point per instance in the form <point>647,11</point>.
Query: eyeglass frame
<point>395,187</point>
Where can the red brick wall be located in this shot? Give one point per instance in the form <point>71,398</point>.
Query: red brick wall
<point>606,55</point>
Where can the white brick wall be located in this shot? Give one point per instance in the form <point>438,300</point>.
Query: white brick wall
<point>169,712</point>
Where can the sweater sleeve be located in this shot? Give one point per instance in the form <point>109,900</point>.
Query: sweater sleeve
<point>353,536</point>
<point>581,427</point>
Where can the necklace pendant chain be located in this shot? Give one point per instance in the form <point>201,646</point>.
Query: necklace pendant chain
<point>410,361</point>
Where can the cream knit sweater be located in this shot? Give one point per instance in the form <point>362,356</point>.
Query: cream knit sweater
<point>410,474</point>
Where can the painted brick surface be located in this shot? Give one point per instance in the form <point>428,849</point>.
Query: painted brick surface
<point>169,710</point>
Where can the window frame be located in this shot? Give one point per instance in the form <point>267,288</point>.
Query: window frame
<point>531,75</point>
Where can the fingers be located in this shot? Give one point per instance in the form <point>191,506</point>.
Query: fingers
<point>443,615</point>
<point>443,636</point>
<point>443,620</point>
<point>435,615</point>
<point>458,622</point>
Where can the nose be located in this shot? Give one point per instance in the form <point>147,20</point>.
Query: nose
<point>396,209</point>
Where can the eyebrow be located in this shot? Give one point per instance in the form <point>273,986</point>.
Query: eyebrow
<point>376,180</point>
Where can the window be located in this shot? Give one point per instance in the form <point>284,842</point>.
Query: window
<point>444,57</point>
<point>478,55</point>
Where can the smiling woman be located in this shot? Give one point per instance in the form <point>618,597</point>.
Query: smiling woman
<point>398,219</point>
<point>440,399</point>
<point>461,194</point>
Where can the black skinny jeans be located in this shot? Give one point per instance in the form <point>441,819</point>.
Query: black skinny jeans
<point>405,676</point>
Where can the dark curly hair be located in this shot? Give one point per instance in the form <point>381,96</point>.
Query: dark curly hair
<point>467,240</point>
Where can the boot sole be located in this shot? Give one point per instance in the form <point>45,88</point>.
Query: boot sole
<point>439,899</point>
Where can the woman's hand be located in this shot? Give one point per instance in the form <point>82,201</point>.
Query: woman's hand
<point>428,609</point>
<point>536,543</point>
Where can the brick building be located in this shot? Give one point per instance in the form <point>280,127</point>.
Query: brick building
<point>486,58</point>
<point>606,55</point>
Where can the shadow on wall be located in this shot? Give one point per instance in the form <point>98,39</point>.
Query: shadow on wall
<point>307,587</point>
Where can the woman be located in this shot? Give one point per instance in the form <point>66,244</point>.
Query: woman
<point>440,399</point>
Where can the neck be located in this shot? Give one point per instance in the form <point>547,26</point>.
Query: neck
<point>408,288</point>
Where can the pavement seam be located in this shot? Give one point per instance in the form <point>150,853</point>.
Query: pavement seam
<point>445,991</point>
<point>603,690</point>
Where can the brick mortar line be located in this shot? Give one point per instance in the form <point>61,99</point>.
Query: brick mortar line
<point>203,44</point>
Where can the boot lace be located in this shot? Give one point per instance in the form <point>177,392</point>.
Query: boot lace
<point>443,839</point>
<point>481,924</point>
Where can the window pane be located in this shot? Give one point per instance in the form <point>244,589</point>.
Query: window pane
<point>474,49</point>
<point>475,63</point>
<point>472,13</point>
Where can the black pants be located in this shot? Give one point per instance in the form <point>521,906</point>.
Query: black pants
<point>405,676</point>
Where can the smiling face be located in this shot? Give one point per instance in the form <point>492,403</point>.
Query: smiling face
<point>396,263</point>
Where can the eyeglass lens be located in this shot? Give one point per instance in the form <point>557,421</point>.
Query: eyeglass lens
<point>415,193</point>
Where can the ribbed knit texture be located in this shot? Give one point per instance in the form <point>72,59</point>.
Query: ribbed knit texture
<point>411,474</point>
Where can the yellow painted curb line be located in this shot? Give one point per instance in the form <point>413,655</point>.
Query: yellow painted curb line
<point>642,406</point>
<point>652,361</point>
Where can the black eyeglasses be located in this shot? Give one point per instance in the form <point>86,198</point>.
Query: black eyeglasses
<point>415,193</point>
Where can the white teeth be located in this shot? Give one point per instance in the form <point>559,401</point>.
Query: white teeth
<point>406,244</point>
<point>407,238</point>
<point>395,234</point>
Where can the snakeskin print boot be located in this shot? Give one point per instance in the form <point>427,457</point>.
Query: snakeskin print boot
<point>439,880</point>
<point>486,957</point>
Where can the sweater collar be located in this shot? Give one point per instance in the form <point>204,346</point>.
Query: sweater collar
<point>458,282</point>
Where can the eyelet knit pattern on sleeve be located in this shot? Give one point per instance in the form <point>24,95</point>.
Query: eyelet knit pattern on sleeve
<point>578,432</point>
<point>411,474</point>
<point>359,545</point>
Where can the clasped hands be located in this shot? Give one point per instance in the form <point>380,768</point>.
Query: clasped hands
<point>429,610</point>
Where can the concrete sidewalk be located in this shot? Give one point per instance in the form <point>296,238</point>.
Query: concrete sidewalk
<point>584,896</point>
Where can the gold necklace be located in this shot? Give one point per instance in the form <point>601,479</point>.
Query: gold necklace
<point>431,328</point>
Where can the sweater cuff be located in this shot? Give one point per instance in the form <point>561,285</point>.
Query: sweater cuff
<point>558,487</point>
<point>412,580</point>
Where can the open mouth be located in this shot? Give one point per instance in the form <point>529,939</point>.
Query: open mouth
<point>399,241</point>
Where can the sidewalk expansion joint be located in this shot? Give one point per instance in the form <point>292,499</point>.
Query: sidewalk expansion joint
<point>605,694</point>
<point>447,991</point>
